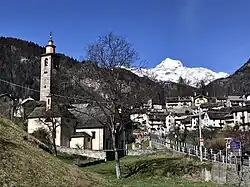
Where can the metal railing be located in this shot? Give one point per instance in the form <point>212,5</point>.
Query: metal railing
<point>207,154</point>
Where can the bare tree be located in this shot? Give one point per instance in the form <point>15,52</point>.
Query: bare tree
<point>52,123</point>
<point>111,53</point>
<point>51,120</point>
<point>108,56</point>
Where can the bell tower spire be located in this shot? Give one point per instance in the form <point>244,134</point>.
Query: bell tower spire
<point>50,36</point>
<point>47,65</point>
<point>50,48</point>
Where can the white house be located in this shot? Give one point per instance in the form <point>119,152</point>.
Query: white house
<point>200,99</point>
<point>139,115</point>
<point>89,132</point>
<point>222,100</point>
<point>170,121</point>
<point>234,101</point>
<point>19,111</point>
<point>214,119</point>
<point>241,115</point>
<point>49,117</point>
<point>172,102</point>
<point>92,129</point>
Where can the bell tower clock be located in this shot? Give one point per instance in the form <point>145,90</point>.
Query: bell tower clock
<point>46,69</point>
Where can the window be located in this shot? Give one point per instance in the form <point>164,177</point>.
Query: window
<point>48,101</point>
<point>45,72</point>
<point>46,62</point>
<point>44,86</point>
<point>93,134</point>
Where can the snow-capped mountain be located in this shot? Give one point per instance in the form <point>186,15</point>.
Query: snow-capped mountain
<point>172,70</point>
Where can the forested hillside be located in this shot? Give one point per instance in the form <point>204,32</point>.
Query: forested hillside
<point>236,84</point>
<point>20,64</point>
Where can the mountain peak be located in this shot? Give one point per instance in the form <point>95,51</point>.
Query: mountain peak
<point>169,64</point>
<point>171,70</point>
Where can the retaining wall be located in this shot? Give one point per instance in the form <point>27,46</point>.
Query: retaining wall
<point>223,173</point>
<point>83,152</point>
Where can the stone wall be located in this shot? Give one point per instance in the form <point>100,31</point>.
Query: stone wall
<point>138,152</point>
<point>222,173</point>
<point>83,152</point>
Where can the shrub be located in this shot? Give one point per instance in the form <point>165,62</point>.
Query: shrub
<point>43,135</point>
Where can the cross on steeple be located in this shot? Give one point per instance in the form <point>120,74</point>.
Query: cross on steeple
<point>50,35</point>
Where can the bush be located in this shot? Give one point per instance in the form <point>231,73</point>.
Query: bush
<point>217,143</point>
<point>43,135</point>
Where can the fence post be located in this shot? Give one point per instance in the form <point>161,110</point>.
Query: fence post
<point>223,158</point>
<point>214,157</point>
<point>133,146</point>
<point>231,156</point>
<point>220,153</point>
<point>189,152</point>
<point>150,144</point>
<point>196,152</point>
<point>205,153</point>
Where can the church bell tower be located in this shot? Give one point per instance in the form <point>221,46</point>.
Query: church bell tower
<point>46,69</point>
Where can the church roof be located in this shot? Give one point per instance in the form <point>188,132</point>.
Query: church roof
<point>89,116</point>
<point>56,111</point>
<point>80,134</point>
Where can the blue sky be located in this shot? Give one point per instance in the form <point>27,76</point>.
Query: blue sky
<point>207,33</point>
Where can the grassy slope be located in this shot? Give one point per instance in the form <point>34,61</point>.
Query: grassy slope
<point>154,170</point>
<point>23,164</point>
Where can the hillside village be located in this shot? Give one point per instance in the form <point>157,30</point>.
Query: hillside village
<point>103,128</point>
<point>78,125</point>
<point>125,94</point>
<point>184,112</point>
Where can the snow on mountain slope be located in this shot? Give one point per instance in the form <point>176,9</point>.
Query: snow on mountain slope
<point>172,70</point>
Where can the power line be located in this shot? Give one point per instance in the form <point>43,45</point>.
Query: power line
<point>17,85</point>
<point>57,95</point>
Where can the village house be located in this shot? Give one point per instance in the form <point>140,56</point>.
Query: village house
<point>172,102</point>
<point>170,121</point>
<point>19,111</point>
<point>210,105</point>
<point>235,100</point>
<point>157,122</point>
<point>91,131</point>
<point>241,116</point>
<point>200,99</point>
<point>214,120</point>
<point>221,100</point>
<point>139,115</point>
<point>247,96</point>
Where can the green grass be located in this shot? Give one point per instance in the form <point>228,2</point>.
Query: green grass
<point>73,159</point>
<point>154,170</point>
<point>23,164</point>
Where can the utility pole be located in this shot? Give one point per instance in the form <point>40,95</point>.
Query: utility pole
<point>201,140</point>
